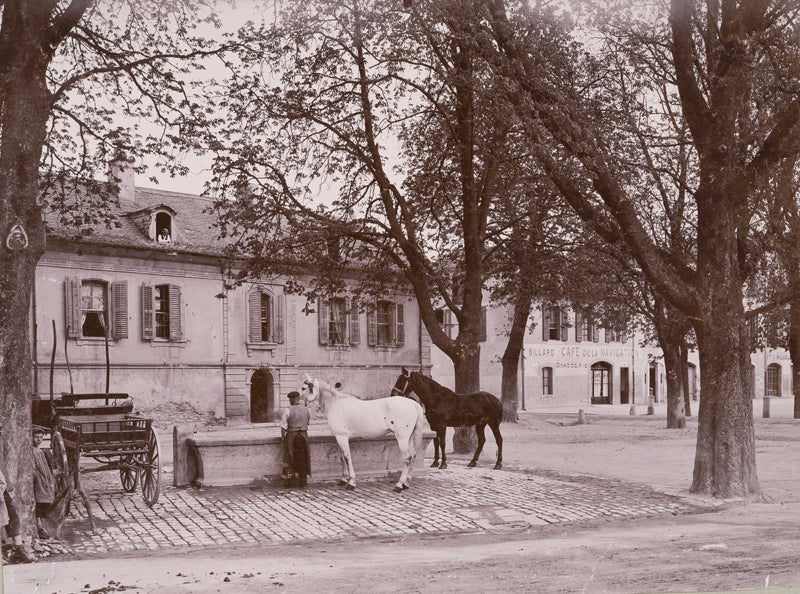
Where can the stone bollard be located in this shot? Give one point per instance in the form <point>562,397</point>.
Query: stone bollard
<point>651,409</point>
<point>765,411</point>
<point>633,410</point>
<point>581,417</point>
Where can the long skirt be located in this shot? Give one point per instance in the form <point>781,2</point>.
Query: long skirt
<point>296,459</point>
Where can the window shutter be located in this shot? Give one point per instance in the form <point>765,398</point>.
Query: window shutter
<point>255,315</point>
<point>608,335</point>
<point>372,326</point>
<point>323,317</point>
<point>595,332</point>
<point>546,313</point>
<point>355,323</point>
<point>175,330</point>
<point>482,337</point>
<point>578,327</point>
<point>564,324</point>
<point>400,338</point>
<point>278,307</point>
<point>119,313</point>
<point>72,307</point>
<point>148,313</point>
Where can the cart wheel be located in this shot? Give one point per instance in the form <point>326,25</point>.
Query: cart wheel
<point>151,470</point>
<point>60,463</point>
<point>129,477</point>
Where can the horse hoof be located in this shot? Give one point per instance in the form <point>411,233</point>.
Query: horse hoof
<point>471,465</point>
<point>442,466</point>
<point>342,483</point>
<point>435,465</point>
<point>350,487</point>
<point>405,486</point>
<point>397,489</point>
<point>498,466</point>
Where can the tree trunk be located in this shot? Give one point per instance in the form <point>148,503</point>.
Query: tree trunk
<point>24,111</point>
<point>516,338</point>
<point>675,401</point>
<point>467,376</point>
<point>794,353</point>
<point>671,328</point>
<point>725,460</point>
<point>687,396</point>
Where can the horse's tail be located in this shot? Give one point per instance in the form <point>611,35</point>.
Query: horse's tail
<point>415,447</point>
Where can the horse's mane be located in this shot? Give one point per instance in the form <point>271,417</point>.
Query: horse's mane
<point>336,393</point>
<point>431,384</point>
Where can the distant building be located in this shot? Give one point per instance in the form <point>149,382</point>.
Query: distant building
<point>568,360</point>
<point>175,335</point>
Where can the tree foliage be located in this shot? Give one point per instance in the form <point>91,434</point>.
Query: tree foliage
<point>734,66</point>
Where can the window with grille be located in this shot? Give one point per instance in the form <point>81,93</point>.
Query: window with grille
<point>547,381</point>
<point>774,380</point>
<point>385,324</point>
<point>161,297</point>
<point>586,329</point>
<point>554,322</point>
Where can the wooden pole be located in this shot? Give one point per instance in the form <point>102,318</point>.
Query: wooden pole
<point>66,358</point>
<point>52,365</point>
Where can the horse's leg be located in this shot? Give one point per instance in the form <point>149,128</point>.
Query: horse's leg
<point>406,455</point>
<point>480,429</point>
<point>495,425</point>
<point>441,435</point>
<point>435,463</point>
<point>347,461</point>
<point>342,481</point>
<point>343,461</point>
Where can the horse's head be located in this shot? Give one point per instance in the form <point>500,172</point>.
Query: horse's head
<point>309,389</point>
<point>402,386</point>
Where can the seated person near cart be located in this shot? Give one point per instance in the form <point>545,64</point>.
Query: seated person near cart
<point>44,484</point>
<point>9,519</point>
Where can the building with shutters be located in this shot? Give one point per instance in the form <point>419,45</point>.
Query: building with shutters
<point>568,360</point>
<point>141,307</point>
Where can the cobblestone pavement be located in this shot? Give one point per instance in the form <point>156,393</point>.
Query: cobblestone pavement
<point>457,500</point>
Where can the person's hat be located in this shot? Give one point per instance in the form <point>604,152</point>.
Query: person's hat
<point>37,430</point>
<point>294,395</point>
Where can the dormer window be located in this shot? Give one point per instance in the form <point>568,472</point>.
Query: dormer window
<point>163,227</point>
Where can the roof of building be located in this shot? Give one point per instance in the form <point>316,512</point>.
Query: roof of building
<point>193,225</point>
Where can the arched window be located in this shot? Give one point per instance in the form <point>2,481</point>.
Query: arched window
<point>164,230</point>
<point>601,383</point>
<point>773,380</point>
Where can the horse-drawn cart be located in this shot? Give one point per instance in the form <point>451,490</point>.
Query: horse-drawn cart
<point>102,427</point>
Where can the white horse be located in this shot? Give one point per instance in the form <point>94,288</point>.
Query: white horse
<point>349,416</point>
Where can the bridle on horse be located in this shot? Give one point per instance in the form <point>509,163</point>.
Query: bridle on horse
<point>398,390</point>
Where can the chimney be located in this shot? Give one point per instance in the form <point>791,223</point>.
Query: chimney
<point>122,175</point>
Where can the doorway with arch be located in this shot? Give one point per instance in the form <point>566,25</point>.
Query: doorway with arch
<point>262,397</point>
<point>601,383</point>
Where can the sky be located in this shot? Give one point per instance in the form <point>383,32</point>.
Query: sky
<point>233,14</point>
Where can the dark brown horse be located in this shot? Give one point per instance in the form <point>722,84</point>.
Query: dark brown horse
<point>444,408</point>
